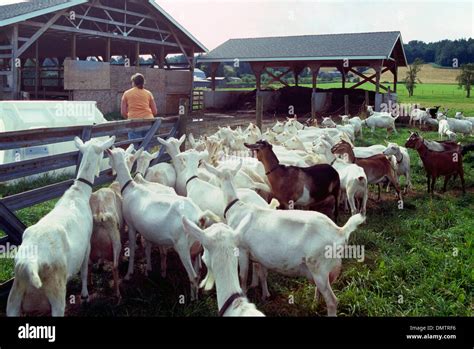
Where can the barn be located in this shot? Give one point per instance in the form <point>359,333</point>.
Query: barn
<point>381,51</point>
<point>87,50</point>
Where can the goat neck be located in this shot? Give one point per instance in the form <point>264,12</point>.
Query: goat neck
<point>123,174</point>
<point>230,194</point>
<point>225,275</point>
<point>87,171</point>
<point>269,160</point>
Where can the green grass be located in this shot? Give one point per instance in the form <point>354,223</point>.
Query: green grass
<point>418,262</point>
<point>446,95</point>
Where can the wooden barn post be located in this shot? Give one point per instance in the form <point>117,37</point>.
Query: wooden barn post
<point>259,110</point>
<point>346,104</point>
<point>15,69</point>
<point>314,73</point>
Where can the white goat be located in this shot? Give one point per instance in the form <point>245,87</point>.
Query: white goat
<point>157,217</point>
<point>162,173</point>
<point>290,242</point>
<point>208,196</point>
<point>402,159</point>
<point>356,122</point>
<point>418,115</point>
<point>58,246</point>
<point>108,224</point>
<point>328,122</point>
<point>381,120</point>
<point>220,243</point>
<point>353,178</point>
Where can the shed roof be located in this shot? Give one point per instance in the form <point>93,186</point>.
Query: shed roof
<point>361,46</point>
<point>24,10</point>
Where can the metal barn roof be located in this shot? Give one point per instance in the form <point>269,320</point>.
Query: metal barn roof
<point>360,46</point>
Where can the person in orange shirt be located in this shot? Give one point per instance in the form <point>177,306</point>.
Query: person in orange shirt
<point>138,103</point>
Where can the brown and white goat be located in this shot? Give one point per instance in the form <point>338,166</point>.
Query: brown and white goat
<point>302,186</point>
<point>377,167</point>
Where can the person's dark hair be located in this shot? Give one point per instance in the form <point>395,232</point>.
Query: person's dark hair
<point>138,80</point>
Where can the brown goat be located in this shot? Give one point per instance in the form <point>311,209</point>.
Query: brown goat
<point>446,163</point>
<point>377,167</point>
<point>302,186</point>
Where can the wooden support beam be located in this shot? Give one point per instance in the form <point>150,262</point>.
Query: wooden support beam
<point>108,50</point>
<point>100,34</point>
<point>15,70</point>
<point>137,54</point>
<point>314,73</point>
<point>161,58</point>
<point>74,46</point>
<point>214,67</point>
<point>40,32</point>
<point>181,47</point>
<point>367,78</point>
<point>395,78</point>
<point>257,69</point>
<point>259,110</point>
<point>37,68</point>
<point>279,77</point>
<point>346,104</point>
<point>378,69</point>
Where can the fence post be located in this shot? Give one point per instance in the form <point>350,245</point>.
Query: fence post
<point>346,104</point>
<point>85,136</point>
<point>367,102</point>
<point>259,111</point>
<point>183,119</point>
<point>151,132</point>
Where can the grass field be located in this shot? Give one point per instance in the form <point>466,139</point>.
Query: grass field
<point>418,262</point>
<point>426,94</point>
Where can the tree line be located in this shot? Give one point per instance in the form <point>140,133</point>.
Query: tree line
<point>443,53</point>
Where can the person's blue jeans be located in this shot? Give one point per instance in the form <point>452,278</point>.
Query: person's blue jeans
<point>139,134</point>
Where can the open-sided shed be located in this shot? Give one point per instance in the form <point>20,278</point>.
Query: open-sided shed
<point>382,51</point>
<point>73,30</point>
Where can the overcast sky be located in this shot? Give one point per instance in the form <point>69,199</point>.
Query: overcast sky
<point>214,22</point>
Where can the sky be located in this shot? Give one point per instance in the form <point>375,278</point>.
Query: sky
<point>213,22</point>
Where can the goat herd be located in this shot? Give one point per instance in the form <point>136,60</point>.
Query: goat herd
<point>215,203</point>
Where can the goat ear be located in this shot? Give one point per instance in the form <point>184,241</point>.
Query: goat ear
<point>181,140</point>
<point>108,143</point>
<point>211,169</point>
<point>130,149</point>
<point>162,141</point>
<point>79,143</point>
<point>195,231</point>
<point>108,152</point>
<point>155,155</point>
<point>138,153</point>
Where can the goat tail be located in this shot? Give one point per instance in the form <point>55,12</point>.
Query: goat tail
<point>103,217</point>
<point>207,219</point>
<point>274,204</point>
<point>467,148</point>
<point>352,225</point>
<point>28,270</point>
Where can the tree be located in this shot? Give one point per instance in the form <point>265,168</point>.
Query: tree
<point>411,77</point>
<point>466,78</point>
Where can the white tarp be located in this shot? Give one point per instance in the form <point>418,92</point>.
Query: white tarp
<point>25,115</point>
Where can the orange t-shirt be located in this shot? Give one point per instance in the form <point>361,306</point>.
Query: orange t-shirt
<point>138,102</point>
